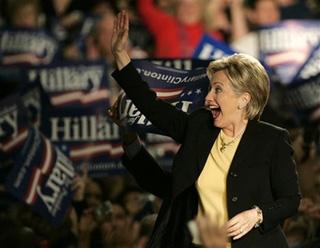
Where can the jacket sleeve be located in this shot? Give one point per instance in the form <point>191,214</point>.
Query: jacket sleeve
<point>148,174</point>
<point>284,184</point>
<point>167,118</point>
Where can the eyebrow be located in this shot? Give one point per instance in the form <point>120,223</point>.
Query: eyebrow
<point>216,83</point>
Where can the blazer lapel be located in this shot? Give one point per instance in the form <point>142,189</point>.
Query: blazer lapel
<point>206,139</point>
<point>246,146</point>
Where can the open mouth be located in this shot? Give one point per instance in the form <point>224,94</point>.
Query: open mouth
<point>215,111</point>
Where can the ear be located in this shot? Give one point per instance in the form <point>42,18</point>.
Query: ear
<point>244,100</point>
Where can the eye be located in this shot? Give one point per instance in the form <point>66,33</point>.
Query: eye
<point>217,89</point>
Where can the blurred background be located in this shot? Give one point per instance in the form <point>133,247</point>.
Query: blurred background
<point>62,183</point>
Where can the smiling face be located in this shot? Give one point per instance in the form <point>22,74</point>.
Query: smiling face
<point>227,107</point>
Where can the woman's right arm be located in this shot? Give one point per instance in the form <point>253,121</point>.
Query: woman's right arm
<point>161,114</point>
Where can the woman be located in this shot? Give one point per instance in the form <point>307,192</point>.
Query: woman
<point>230,166</point>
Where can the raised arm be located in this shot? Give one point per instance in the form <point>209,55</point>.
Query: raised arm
<point>119,42</point>
<point>169,119</point>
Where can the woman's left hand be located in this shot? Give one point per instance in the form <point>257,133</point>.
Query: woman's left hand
<point>242,223</point>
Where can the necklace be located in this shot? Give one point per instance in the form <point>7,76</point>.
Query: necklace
<point>224,145</point>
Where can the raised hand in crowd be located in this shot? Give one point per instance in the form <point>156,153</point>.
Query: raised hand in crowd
<point>86,226</point>
<point>79,184</point>
<point>124,237</point>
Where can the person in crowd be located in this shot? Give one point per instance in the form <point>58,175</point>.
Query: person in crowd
<point>259,13</point>
<point>229,164</point>
<point>175,36</point>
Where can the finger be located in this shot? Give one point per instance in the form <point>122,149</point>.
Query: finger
<point>115,24</point>
<point>122,20</point>
<point>127,21</point>
<point>242,232</point>
<point>85,169</point>
<point>118,22</point>
<point>232,222</point>
<point>236,233</point>
<point>234,230</point>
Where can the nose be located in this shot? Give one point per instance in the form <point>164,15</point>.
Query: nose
<point>209,97</point>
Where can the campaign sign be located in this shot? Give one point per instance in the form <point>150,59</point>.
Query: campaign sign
<point>302,95</point>
<point>285,47</point>
<point>310,68</point>
<point>88,136</point>
<point>210,48</point>
<point>180,64</point>
<point>42,177</point>
<point>79,95</point>
<point>13,125</point>
<point>73,85</point>
<point>184,89</point>
<point>33,41</point>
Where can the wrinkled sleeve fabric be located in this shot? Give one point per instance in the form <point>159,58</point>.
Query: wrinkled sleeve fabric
<point>148,174</point>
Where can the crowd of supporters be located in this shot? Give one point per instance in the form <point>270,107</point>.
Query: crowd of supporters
<point>113,211</point>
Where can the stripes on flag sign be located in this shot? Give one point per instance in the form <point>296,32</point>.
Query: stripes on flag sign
<point>79,97</point>
<point>43,169</point>
<point>87,151</point>
<point>12,143</point>
<point>167,93</point>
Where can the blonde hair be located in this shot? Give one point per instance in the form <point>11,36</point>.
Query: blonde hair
<point>246,74</point>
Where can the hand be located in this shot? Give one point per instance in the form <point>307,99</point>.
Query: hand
<point>86,224</point>
<point>79,184</point>
<point>124,236</point>
<point>127,135</point>
<point>120,34</point>
<point>113,112</point>
<point>242,223</point>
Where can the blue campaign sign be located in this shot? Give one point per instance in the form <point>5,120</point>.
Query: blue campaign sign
<point>33,41</point>
<point>210,48</point>
<point>185,89</point>
<point>88,136</point>
<point>310,68</point>
<point>180,64</point>
<point>14,125</point>
<point>302,95</point>
<point>79,94</point>
<point>42,177</point>
<point>73,85</point>
<point>285,47</point>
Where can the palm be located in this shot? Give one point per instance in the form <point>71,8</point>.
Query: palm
<point>120,33</point>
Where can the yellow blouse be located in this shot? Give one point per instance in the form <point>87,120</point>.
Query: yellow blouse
<point>212,182</point>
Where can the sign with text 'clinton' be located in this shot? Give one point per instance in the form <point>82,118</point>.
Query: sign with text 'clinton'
<point>185,89</point>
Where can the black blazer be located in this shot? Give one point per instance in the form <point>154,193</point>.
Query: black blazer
<point>262,172</point>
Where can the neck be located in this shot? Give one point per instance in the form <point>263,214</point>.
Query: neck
<point>236,128</point>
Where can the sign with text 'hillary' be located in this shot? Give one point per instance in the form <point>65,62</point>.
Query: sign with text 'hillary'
<point>42,177</point>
